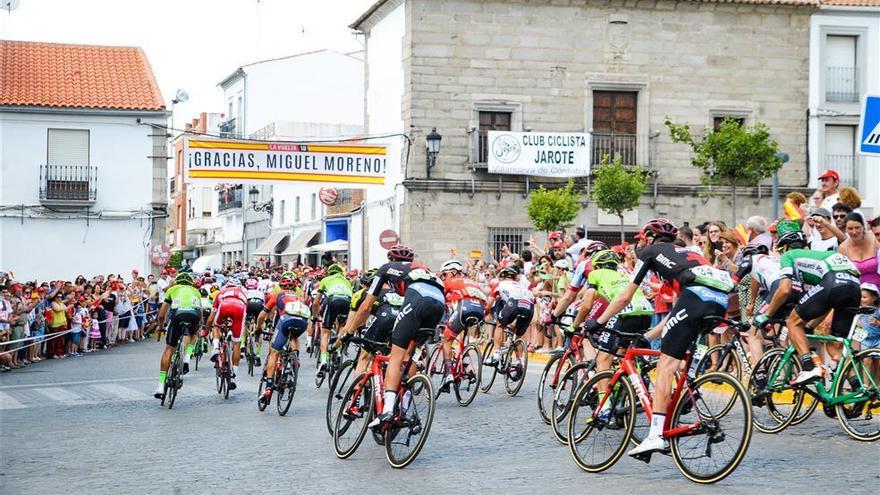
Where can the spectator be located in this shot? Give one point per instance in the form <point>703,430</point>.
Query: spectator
<point>700,232</point>
<point>757,226</point>
<point>712,242</point>
<point>822,236</point>
<point>875,228</point>
<point>57,325</point>
<point>850,197</point>
<point>828,184</point>
<point>687,237</point>
<point>6,318</point>
<point>817,198</point>
<point>839,213</point>
<point>861,249</point>
<point>870,322</point>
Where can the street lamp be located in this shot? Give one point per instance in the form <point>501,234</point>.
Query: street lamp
<point>432,144</point>
<point>254,195</point>
<point>267,206</point>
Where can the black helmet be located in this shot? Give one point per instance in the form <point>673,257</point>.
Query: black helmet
<point>753,249</point>
<point>509,271</point>
<point>791,240</point>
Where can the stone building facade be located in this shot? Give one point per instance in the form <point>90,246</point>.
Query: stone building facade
<point>613,68</point>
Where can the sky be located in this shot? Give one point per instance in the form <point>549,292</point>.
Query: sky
<point>191,44</point>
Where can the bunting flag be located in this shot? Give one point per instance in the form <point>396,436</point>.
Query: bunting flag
<point>792,212</point>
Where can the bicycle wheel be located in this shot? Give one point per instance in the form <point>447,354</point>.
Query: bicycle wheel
<point>261,404</point>
<point>715,448</point>
<point>319,377</point>
<point>723,359</point>
<point>554,370</point>
<point>493,369</point>
<point>227,371</point>
<point>354,415</point>
<point>218,372</point>
<point>515,374</point>
<point>338,386</point>
<point>595,444</point>
<point>171,381</point>
<point>468,381</point>
<point>859,415</point>
<point>198,353</point>
<point>435,369</point>
<point>407,435</point>
<point>774,402</point>
<point>563,395</point>
<point>288,389</point>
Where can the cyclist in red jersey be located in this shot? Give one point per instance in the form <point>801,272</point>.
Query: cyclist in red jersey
<point>230,303</point>
<point>293,317</point>
<point>466,303</point>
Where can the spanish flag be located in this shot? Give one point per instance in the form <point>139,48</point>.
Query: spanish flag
<point>792,212</point>
<point>742,234</point>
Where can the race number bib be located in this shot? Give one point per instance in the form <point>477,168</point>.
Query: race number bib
<point>713,277</point>
<point>476,293</point>
<point>394,299</point>
<point>859,334</point>
<point>296,308</point>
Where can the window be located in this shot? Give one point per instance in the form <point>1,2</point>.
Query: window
<point>67,174</point>
<point>314,206</point>
<point>192,211</point>
<point>239,118</point>
<point>841,69</point>
<point>206,201</point>
<point>719,119</point>
<point>282,211</point>
<point>614,126</point>
<point>490,121</point>
<point>513,238</point>
<point>344,197</point>
<point>296,209</point>
<point>840,155</point>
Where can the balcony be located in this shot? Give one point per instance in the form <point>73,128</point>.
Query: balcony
<point>850,167</point>
<point>229,198</point>
<point>842,84</point>
<point>68,185</point>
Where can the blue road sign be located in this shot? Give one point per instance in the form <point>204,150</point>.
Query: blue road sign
<point>869,140</point>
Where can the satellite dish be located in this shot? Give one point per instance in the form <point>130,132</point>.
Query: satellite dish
<point>181,96</point>
<point>10,5</point>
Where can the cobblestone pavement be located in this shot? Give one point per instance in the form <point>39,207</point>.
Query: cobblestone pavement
<point>90,425</point>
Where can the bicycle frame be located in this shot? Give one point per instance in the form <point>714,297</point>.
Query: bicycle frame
<point>575,346</point>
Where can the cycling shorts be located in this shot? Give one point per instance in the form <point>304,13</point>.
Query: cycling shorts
<point>181,319</point>
<point>383,323</point>
<point>335,308</point>
<point>420,309</point>
<point>254,307</point>
<point>519,311</point>
<point>466,314</point>
<point>233,309</point>
<point>686,318</point>
<point>288,327</point>
<point>790,302</point>
<point>838,291</point>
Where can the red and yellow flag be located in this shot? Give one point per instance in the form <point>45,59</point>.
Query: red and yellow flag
<point>792,212</point>
<point>742,234</point>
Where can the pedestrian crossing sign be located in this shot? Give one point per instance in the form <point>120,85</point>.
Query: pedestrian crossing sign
<point>869,131</point>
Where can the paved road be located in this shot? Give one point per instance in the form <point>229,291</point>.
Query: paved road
<point>90,425</point>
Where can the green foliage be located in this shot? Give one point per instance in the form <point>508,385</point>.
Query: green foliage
<point>550,209</point>
<point>733,155</point>
<point>617,188</point>
<point>176,259</point>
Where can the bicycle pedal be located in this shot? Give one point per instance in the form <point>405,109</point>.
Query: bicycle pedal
<point>644,457</point>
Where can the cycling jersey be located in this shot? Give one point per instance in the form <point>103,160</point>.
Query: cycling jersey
<point>288,303</point>
<point>680,267</point>
<point>335,285</point>
<point>400,275</point>
<point>513,304</point>
<point>810,267</point>
<point>386,296</point>
<point>510,289</point>
<point>581,272</point>
<point>764,269</point>
<point>609,283</point>
<point>182,296</point>
<point>459,288</point>
<point>424,303</point>
<point>231,304</point>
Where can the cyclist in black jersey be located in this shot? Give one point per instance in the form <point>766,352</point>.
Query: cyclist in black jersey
<point>703,291</point>
<point>424,304</point>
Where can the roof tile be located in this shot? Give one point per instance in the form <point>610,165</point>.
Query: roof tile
<point>77,76</point>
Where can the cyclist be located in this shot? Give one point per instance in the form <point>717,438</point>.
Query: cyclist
<point>337,291</point>
<point>384,311</point>
<point>230,304</point>
<point>183,301</point>
<point>578,281</point>
<point>467,306</point>
<point>310,291</point>
<point>703,292</point>
<point>606,282</point>
<point>423,307</point>
<point>830,281</point>
<point>256,299</point>
<point>293,318</point>
<point>511,303</point>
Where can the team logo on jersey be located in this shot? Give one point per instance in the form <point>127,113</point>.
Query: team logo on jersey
<point>663,260</point>
<point>675,320</point>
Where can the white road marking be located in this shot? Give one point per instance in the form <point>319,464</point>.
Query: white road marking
<point>60,395</point>
<point>7,402</point>
<point>119,391</point>
<point>81,382</point>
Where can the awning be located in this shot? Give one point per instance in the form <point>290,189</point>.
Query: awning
<point>300,242</point>
<point>337,245</point>
<point>267,247</point>
<point>202,263</point>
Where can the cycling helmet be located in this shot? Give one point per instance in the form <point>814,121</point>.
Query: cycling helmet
<point>451,265</point>
<point>605,258</point>
<point>660,227</point>
<point>288,281</point>
<point>753,249</point>
<point>791,240</point>
<point>400,253</point>
<point>594,247</point>
<point>335,269</point>
<point>251,284</point>
<point>232,282</point>
<point>368,276</point>
<point>184,278</point>
<point>509,271</point>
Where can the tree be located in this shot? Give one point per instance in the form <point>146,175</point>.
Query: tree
<point>550,209</point>
<point>733,155</point>
<point>617,189</point>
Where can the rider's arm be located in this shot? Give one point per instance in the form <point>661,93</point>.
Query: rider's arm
<point>618,303</point>
<point>210,319</point>
<point>586,305</point>
<point>163,313</point>
<point>753,291</point>
<point>360,316</point>
<point>564,303</point>
<point>316,305</point>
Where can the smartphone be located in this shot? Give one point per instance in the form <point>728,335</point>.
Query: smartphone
<point>718,245</point>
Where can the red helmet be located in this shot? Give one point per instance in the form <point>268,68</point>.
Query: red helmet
<point>660,227</point>
<point>594,247</point>
<point>400,253</point>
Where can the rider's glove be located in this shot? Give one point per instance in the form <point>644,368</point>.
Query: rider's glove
<point>760,320</point>
<point>591,326</point>
<point>345,338</point>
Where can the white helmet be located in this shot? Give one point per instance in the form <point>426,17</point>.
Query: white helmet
<point>452,265</point>
<point>232,282</point>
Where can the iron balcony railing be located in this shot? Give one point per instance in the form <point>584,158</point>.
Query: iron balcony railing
<point>68,183</point>
<point>229,198</point>
<point>842,84</point>
<point>849,167</point>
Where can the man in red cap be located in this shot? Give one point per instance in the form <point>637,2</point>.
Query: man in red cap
<point>828,183</point>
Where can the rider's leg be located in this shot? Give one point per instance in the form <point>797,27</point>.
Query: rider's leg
<point>392,377</point>
<point>364,359</point>
<point>756,345</point>
<point>798,337</point>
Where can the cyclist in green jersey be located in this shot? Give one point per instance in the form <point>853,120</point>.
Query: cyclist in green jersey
<point>830,281</point>
<point>184,303</point>
<point>335,292</point>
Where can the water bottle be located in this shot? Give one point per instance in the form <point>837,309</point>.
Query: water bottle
<point>697,356</point>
